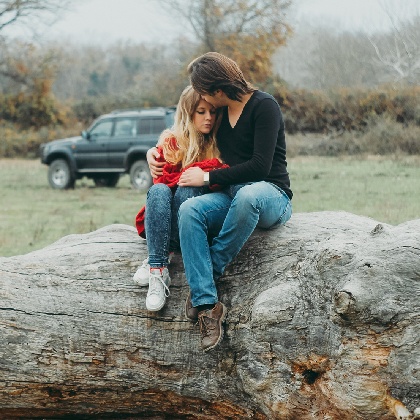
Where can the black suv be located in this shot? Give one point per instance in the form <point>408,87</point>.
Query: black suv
<point>114,144</point>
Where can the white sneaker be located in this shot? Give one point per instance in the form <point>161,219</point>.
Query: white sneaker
<point>141,276</point>
<point>159,282</point>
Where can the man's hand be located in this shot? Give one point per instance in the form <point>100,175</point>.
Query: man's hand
<point>156,168</point>
<point>192,177</point>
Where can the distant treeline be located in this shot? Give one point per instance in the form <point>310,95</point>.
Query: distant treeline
<point>30,120</point>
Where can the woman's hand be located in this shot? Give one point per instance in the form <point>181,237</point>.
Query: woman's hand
<point>192,177</point>
<point>156,168</point>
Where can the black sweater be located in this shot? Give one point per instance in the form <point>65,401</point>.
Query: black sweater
<point>255,149</point>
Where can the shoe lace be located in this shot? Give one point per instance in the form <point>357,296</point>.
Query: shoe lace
<point>207,324</point>
<point>155,282</point>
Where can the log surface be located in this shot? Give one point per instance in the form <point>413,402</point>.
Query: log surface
<point>323,323</point>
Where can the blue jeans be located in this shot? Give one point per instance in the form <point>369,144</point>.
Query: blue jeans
<point>161,220</point>
<point>214,227</point>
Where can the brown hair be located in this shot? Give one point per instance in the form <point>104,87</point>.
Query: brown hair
<point>213,71</point>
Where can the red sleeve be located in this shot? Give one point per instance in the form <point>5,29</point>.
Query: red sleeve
<point>140,222</point>
<point>171,173</point>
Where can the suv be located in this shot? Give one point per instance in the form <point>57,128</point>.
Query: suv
<point>114,144</point>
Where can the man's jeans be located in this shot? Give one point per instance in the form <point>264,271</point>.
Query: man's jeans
<point>161,220</point>
<point>229,217</point>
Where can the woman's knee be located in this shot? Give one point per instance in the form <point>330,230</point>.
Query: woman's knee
<point>158,189</point>
<point>184,193</point>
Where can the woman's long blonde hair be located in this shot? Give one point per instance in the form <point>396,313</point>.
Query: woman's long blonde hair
<point>191,145</point>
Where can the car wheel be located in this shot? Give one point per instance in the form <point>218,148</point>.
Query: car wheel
<point>140,176</point>
<point>110,180</point>
<point>59,175</point>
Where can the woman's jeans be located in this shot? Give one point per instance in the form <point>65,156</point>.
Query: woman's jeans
<point>229,217</point>
<point>161,220</point>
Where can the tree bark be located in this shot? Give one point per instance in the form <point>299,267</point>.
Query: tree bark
<point>323,323</point>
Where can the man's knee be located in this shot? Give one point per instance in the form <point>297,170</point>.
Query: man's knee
<point>247,196</point>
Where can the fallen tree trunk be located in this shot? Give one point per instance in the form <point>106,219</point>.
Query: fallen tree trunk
<point>323,323</point>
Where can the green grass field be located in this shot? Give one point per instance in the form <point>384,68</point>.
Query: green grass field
<point>32,215</point>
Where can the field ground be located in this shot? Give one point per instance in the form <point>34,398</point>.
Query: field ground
<point>32,215</point>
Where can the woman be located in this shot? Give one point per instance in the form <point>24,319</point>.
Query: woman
<point>190,142</point>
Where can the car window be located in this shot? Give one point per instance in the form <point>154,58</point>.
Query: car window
<point>125,127</point>
<point>158,125</point>
<point>102,129</point>
<point>151,125</point>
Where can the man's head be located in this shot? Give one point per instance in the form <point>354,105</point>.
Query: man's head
<point>212,72</point>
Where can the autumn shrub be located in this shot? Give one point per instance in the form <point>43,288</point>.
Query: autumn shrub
<point>303,110</point>
<point>346,110</point>
<point>407,106</point>
<point>315,144</point>
<point>383,136</point>
<point>16,142</point>
<point>32,110</point>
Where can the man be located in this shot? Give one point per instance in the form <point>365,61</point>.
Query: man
<point>255,188</point>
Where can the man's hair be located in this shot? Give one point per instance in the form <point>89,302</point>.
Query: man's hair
<point>213,71</point>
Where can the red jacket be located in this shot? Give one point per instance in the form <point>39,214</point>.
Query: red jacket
<point>170,177</point>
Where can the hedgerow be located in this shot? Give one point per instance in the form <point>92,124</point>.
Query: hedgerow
<point>377,121</point>
<point>345,110</point>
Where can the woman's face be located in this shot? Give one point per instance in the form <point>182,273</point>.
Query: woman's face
<point>204,117</point>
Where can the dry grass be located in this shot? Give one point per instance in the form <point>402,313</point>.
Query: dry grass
<point>32,215</point>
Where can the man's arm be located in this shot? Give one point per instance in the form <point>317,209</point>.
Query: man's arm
<point>156,167</point>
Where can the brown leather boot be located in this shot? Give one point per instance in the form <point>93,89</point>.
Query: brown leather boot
<point>190,312</point>
<point>211,327</point>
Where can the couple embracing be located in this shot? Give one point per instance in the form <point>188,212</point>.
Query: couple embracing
<point>219,173</point>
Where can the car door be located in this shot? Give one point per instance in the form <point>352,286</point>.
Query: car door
<point>92,153</point>
<point>125,136</point>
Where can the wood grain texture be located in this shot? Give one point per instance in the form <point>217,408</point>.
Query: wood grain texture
<point>323,323</point>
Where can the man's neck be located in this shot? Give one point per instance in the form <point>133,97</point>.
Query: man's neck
<point>235,108</point>
<point>238,106</point>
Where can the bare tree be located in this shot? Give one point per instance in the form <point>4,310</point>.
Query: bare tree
<point>22,65</point>
<point>14,11</point>
<point>319,58</point>
<point>399,52</point>
<point>211,20</point>
<point>249,31</point>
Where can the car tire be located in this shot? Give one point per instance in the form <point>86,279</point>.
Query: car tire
<point>109,180</point>
<point>59,175</point>
<point>140,176</point>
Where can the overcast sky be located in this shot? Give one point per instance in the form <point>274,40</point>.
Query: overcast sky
<point>107,21</point>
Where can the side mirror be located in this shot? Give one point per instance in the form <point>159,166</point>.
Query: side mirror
<point>85,134</point>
